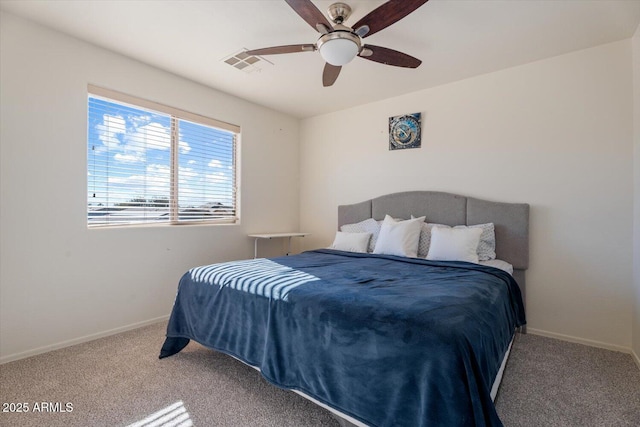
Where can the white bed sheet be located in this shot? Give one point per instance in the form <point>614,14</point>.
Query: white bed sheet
<point>498,263</point>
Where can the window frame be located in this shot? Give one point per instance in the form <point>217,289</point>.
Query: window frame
<point>175,115</point>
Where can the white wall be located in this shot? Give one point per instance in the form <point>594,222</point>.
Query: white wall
<point>556,134</point>
<point>636,192</point>
<point>59,281</point>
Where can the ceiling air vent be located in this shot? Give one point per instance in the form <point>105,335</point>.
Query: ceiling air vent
<point>245,62</point>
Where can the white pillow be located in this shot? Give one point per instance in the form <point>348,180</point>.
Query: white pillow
<point>399,237</point>
<point>351,242</point>
<point>454,244</point>
<point>367,226</point>
<point>487,245</point>
<point>425,237</point>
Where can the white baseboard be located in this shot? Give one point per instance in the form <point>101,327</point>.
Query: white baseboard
<point>86,338</point>
<point>577,340</point>
<point>635,358</point>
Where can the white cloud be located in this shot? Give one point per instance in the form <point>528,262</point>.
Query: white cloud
<point>145,136</point>
<point>109,129</point>
<point>152,136</point>
<point>184,147</point>
<point>126,180</point>
<point>215,164</point>
<point>217,178</point>
<point>154,184</point>
<point>187,172</point>
<point>159,170</point>
<point>129,158</point>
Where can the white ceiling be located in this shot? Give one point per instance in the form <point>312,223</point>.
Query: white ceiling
<point>454,39</point>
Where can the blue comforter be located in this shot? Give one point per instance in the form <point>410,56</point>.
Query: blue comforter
<point>390,341</point>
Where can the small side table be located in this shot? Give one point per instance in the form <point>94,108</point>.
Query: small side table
<point>274,236</point>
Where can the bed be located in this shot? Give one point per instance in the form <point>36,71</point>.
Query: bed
<point>377,338</point>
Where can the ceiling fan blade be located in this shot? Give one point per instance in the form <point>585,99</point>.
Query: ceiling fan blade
<point>310,13</point>
<point>387,14</point>
<point>389,57</point>
<point>291,48</point>
<point>330,74</point>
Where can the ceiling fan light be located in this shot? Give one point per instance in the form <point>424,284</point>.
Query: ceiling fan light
<point>339,49</point>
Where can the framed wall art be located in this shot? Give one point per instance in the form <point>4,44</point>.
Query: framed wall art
<point>405,131</point>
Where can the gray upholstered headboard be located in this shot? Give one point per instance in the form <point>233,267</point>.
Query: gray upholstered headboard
<point>511,220</point>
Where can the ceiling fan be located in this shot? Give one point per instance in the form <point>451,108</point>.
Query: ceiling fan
<point>339,44</point>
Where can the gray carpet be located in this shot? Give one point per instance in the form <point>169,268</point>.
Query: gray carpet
<point>119,380</point>
<point>550,382</point>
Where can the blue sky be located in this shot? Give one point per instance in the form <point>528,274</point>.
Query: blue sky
<point>129,156</point>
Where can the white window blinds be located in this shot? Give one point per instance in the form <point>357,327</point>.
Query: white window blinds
<point>157,165</point>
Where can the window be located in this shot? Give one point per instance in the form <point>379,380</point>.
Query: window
<point>148,163</point>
